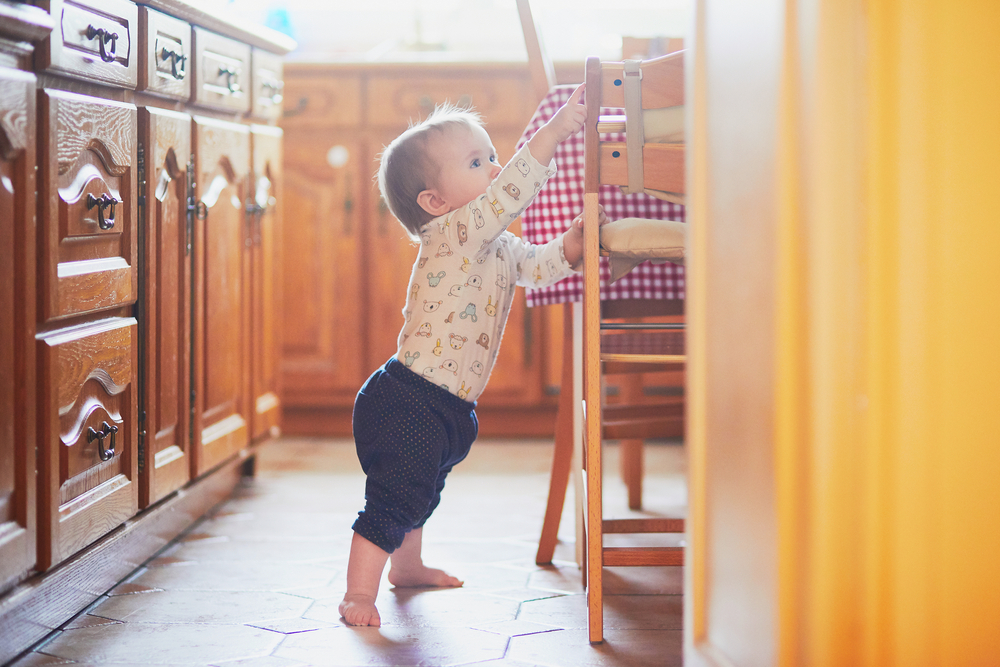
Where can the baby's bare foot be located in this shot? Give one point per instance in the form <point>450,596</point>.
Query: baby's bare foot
<point>360,610</point>
<point>422,576</point>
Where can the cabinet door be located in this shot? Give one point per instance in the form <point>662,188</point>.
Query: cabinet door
<point>265,229</point>
<point>17,300</point>
<point>87,434</point>
<point>87,207</point>
<point>165,308</point>
<point>329,181</point>
<point>391,253</point>
<point>222,315</point>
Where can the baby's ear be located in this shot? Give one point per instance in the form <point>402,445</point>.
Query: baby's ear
<point>431,201</point>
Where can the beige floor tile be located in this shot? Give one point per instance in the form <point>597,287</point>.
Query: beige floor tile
<point>257,583</point>
<point>236,576</point>
<point>227,607</point>
<point>571,648</point>
<point>142,643</point>
<point>632,612</point>
<point>393,646</point>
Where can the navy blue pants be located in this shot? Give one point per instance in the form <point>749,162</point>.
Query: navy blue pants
<point>409,433</point>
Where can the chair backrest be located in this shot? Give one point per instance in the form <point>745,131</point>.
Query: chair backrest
<point>543,75</point>
<point>638,87</point>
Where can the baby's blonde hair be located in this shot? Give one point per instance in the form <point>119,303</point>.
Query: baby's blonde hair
<point>406,168</point>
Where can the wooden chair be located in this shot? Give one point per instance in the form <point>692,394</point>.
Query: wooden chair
<point>639,166</point>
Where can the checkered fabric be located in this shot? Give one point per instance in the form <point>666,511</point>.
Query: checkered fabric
<point>562,198</point>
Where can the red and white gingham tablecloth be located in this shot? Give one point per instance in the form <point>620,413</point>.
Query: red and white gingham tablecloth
<point>562,198</point>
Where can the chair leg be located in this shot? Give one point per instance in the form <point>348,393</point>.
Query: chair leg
<point>631,453</point>
<point>632,468</point>
<point>563,454</point>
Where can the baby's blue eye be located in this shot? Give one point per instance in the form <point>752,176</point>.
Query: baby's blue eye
<point>493,158</point>
<point>475,163</point>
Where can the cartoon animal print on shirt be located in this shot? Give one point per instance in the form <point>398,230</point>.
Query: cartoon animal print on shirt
<point>438,349</point>
<point>450,365</point>
<point>450,317</point>
<point>491,310</point>
<point>523,167</point>
<point>484,340</point>
<point>502,281</point>
<point>456,290</point>
<point>477,368</point>
<point>465,264</point>
<point>475,281</point>
<point>423,261</point>
<point>551,266</point>
<point>512,190</point>
<point>463,233</point>
<point>410,358</point>
<point>413,291</point>
<point>425,236</point>
<point>434,280</point>
<point>424,330</point>
<point>497,208</point>
<point>463,391</point>
<point>470,312</point>
<point>477,217</point>
<point>457,341</point>
<point>431,306</point>
<point>536,275</point>
<point>444,250</point>
<point>443,224</point>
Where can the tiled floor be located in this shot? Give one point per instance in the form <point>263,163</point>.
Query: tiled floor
<point>258,582</point>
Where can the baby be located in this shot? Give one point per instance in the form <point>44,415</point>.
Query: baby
<point>414,418</point>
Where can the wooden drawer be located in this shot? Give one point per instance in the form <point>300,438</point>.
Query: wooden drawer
<point>87,204</point>
<point>165,45</point>
<point>221,72</point>
<point>268,88</point>
<point>93,40</point>
<point>87,438</point>
<point>322,100</point>
<point>396,100</point>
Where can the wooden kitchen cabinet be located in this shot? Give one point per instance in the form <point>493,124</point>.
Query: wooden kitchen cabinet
<point>17,349</point>
<point>347,260</point>
<point>265,224</point>
<point>222,291</point>
<point>165,314</point>
<point>87,468</point>
<point>138,281</point>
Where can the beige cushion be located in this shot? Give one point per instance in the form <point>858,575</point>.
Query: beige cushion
<point>630,241</point>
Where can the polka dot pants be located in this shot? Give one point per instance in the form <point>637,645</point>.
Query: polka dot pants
<point>409,433</point>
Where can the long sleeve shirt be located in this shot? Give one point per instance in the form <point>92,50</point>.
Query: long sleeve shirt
<point>462,284</point>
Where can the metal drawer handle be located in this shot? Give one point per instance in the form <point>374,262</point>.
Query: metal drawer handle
<point>177,61</point>
<point>232,78</point>
<point>106,430</point>
<point>103,37</point>
<point>275,89</point>
<point>102,203</point>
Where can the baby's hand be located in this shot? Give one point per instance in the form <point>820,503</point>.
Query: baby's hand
<point>570,117</point>
<point>602,218</point>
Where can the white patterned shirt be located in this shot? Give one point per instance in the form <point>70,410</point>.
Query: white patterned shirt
<point>462,283</point>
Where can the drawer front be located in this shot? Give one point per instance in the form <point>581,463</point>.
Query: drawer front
<point>94,40</point>
<point>89,464</point>
<point>397,100</point>
<point>165,44</point>
<point>268,85</point>
<point>88,207</point>
<point>321,100</point>
<point>222,72</point>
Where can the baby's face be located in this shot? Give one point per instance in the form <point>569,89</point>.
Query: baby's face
<point>468,164</point>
